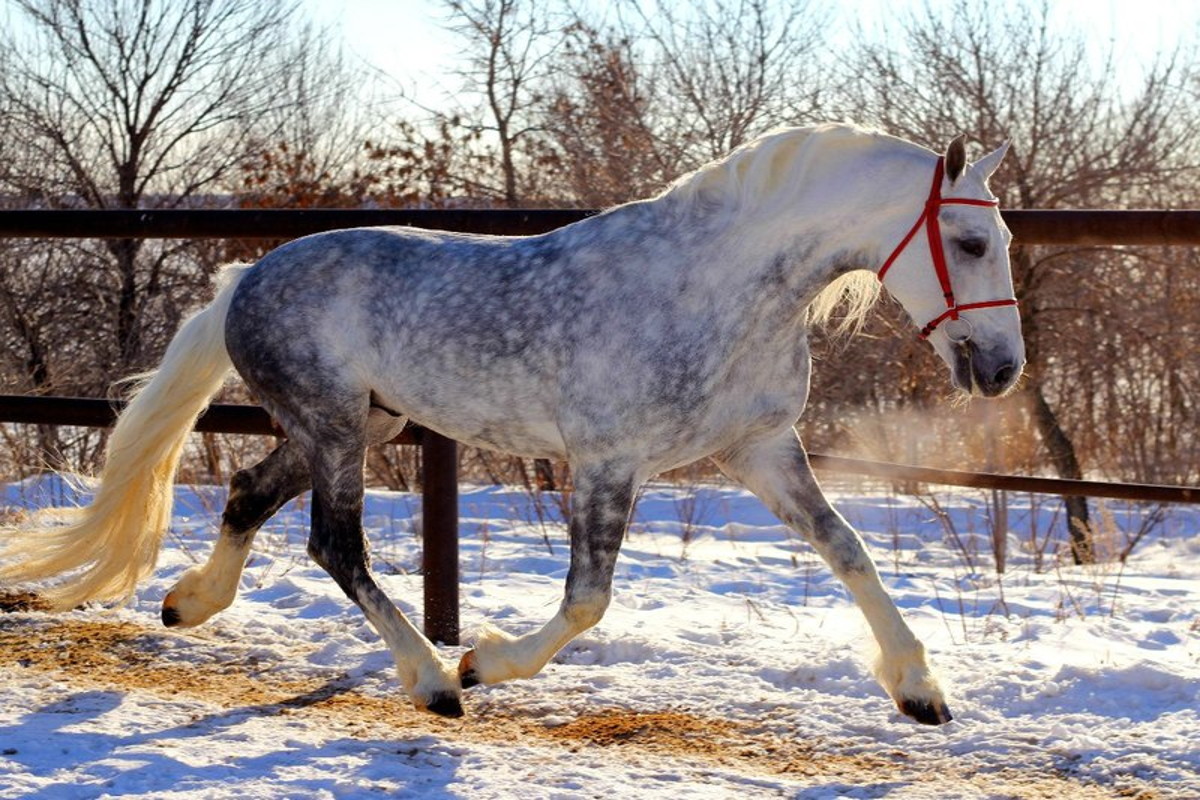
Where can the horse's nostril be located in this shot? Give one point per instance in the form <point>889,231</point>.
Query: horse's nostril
<point>1004,375</point>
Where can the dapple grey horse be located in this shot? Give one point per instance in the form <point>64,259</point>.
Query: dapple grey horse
<point>644,338</point>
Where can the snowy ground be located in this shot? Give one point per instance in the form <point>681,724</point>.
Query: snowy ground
<point>730,665</point>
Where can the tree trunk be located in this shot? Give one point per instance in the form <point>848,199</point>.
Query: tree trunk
<point>1062,456</point>
<point>37,370</point>
<point>125,253</point>
<point>509,167</point>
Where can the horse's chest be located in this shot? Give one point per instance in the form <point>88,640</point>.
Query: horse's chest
<point>747,401</point>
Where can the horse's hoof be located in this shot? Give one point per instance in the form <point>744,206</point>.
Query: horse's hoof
<point>445,704</point>
<point>170,616</point>
<point>467,676</point>
<point>926,712</point>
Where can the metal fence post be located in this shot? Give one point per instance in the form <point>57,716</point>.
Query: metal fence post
<point>439,530</point>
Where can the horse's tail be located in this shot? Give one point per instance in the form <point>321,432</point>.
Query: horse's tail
<point>112,543</point>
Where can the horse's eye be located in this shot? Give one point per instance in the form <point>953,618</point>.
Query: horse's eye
<point>973,247</point>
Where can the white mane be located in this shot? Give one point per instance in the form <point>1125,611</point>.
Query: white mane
<point>855,293</point>
<point>766,171</point>
<point>759,170</point>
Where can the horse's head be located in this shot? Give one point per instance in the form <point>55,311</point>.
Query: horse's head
<point>952,275</point>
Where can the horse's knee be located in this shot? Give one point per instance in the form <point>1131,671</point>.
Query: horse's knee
<point>848,559</point>
<point>241,482</point>
<point>255,493</point>
<point>323,554</point>
<point>839,545</point>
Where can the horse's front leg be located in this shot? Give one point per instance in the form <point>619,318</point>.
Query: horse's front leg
<point>600,510</point>
<point>778,472</point>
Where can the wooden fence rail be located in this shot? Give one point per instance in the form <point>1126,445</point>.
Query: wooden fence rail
<point>1084,227</point>
<point>223,418</point>
<point>439,455</point>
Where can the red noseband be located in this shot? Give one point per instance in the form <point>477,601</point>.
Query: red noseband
<point>929,218</point>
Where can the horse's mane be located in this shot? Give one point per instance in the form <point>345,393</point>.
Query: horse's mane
<point>745,175</point>
<point>762,171</point>
<point>855,293</point>
<point>757,171</point>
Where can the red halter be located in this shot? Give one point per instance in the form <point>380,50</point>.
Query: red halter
<point>929,218</point>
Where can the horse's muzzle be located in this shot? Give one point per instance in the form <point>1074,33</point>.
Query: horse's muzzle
<point>990,373</point>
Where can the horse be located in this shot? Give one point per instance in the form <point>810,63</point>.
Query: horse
<point>643,338</point>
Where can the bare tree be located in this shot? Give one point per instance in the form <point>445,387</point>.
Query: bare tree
<point>131,104</point>
<point>124,104</point>
<point>325,106</point>
<point>600,121</point>
<point>728,69</point>
<point>312,147</point>
<point>648,91</point>
<point>509,46</point>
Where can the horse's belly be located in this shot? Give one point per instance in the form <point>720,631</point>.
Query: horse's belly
<point>725,428</point>
<point>529,439</point>
<point>519,424</point>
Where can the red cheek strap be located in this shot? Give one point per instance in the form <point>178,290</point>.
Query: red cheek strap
<point>929,218</point>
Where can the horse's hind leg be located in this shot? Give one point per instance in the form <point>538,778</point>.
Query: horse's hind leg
<point>255,494</point>
<point>338,544</point>
<point>600,510</point>
<point>778,472</point>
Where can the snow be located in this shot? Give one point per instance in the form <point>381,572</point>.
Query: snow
<point>730,663</point>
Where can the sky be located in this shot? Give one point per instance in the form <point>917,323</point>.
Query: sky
<point>407,40</point>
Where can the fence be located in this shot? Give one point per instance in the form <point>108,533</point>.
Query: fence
<point>439,455</point>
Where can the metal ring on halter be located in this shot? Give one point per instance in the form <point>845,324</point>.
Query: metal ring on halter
<point>958,330</point>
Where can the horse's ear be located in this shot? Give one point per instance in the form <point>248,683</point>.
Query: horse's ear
<point>956,157</point>
<point>989,163</point>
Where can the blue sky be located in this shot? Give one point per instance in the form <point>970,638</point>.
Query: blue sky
<point>405,39</point>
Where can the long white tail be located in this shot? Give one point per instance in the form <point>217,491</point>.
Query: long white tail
<point>111,544</point>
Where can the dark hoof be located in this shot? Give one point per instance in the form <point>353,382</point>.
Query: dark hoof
<point>170,616</point>
<point>925,712</point>
<point>445,704</point>
<point>467,676</point>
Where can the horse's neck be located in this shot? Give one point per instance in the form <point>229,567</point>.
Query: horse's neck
<point>752,280</point>
<point>769,255</point>
<point>849,214</point>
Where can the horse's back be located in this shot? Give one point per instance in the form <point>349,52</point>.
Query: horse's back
<point>450,330</point>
